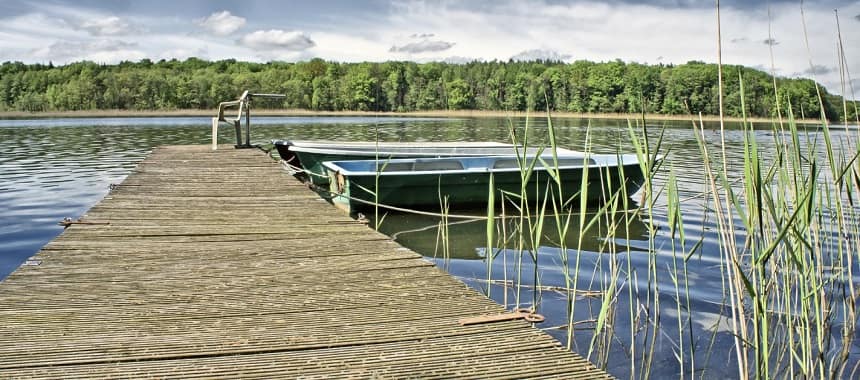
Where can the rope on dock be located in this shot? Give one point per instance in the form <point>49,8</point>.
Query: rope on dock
<point>522,313</point>
<point>66,222</point>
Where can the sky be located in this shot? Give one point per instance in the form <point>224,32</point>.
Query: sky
<point>768,35</point>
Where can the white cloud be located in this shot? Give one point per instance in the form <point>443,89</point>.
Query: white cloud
<point>544,54</point>
<point>222,23</point>
<point>108,26</point>
<point>422,47</point>
<point>817,70</point>
<point>347,47</point>
<point>101,51</point>
<point>277,39</point>
<point>459,59</point>
<point>38,26</point>
<point>183,53</point>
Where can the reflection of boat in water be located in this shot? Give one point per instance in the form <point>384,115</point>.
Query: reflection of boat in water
<point>464,181</point>
<point>468,238</point>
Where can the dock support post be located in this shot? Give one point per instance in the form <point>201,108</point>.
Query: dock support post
<point>248,123</point>
<point>214,133</point>
<point>238,127</point>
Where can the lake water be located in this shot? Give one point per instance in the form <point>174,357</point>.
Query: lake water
<point>56,168</point>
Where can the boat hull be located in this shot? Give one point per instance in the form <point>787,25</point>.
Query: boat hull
<point>355,192</point>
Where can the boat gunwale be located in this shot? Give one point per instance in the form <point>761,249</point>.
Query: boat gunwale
<point>561,152</point>
<point>370,151</point>
<point>347,145</point>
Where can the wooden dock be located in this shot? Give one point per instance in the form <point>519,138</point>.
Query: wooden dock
<point>221,265</point>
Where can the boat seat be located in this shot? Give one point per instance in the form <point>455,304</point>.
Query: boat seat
<point>395,166</point>
<point>437,165</point>
<point>508,163</point>
<point>574,161</point>
<point>511,163</point>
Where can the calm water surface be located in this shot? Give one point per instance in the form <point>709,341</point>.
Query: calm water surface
<point>56,168</point>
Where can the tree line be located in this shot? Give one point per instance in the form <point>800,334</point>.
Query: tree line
<point>581,86</point>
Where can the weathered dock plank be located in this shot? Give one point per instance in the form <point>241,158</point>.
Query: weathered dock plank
<point>219,265</point>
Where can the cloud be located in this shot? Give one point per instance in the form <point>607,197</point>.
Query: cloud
<point>277,39</point>
<point>459,59</point>
<point>818,70</point>
<point>221,23</point>
<point>422,47</point>
<point>422,35</point>
<point>108,26</point>
<point>101,51</point>
<point>542,54</point>
<point>184,53</point>
<point>857,17</point>
<point>738,40</point>
<point>763,68</point>
<point>770,41</point>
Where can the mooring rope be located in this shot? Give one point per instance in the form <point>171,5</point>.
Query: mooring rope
<point>296,169</point>
<point>332,194</point>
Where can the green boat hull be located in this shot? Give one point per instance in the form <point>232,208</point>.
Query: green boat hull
<point>427,191</point>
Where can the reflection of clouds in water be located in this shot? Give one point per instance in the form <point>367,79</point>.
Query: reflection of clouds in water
<point>711,322</point>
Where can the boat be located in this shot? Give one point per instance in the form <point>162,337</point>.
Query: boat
<point>306,157</point>
<point>422,183</point>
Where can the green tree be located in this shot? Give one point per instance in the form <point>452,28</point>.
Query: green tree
<point>459,95</point>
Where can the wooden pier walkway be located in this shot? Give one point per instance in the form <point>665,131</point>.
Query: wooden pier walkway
<point>220,265</point>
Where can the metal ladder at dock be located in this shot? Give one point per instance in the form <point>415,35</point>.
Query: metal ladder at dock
<point>243,104</point>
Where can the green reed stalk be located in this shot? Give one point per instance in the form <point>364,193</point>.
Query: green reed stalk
<point>562,224</point>
<point>377,221</point>
<point>582,211</point>
<point>604,325</point>
<point>491,226</point>
<point>503,248</point>
<point>647,157</point>
<point>676,231</point>
<point>444,229</point>
<point>522,202</point>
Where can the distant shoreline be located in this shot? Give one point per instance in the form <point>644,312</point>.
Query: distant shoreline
<point>440,113</point>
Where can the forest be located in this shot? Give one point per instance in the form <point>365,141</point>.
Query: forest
<point>581,87</point>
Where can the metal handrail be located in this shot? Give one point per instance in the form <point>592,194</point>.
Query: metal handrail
<point>244,107</point>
